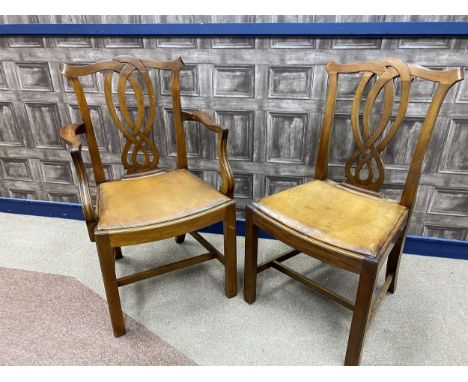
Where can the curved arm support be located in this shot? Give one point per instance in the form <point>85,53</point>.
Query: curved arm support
<point>227,179</point>
<point>69,134</point>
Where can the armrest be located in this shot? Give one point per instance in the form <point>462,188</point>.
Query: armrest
<point>69,134</point>
<point>227,179</point>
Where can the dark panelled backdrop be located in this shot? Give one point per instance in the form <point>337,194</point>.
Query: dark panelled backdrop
<point>269,92</point>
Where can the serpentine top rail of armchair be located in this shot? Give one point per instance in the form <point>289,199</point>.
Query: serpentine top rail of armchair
<point>351,225</point>
<point>147,204</point>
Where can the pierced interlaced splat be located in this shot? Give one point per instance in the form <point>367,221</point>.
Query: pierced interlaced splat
<point>365,166</point>
<point>136,131</point>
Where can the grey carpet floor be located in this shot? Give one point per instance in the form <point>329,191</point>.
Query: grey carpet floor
<point>423,323</point>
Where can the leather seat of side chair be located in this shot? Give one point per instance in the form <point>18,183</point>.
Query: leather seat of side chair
<point>153,199</point>
<point>330,214</point>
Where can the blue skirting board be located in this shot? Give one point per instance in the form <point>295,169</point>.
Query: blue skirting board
<point>417,245</point>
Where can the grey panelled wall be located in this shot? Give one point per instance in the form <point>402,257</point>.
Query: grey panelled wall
<point>268,91</point>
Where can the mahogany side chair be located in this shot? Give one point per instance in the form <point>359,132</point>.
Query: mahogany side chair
<point>147,204</point>
<point>351,225</point>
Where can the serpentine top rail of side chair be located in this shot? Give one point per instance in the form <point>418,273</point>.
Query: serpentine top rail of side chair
<point>148,204</point>
<point>351,225</point>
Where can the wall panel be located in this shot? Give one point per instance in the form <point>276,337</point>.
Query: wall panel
<point>269,92</point>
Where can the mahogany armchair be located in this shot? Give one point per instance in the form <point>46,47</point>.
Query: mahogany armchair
<point>147,204</point>
<point>351,225</point>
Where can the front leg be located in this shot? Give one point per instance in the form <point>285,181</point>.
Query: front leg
<point>107,262</point>
<point>251,255</point>
<point>362,309</point>
<point>230,251</point>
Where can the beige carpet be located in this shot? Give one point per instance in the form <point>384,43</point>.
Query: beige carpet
<point>55,320</point>
<point>423,323</point>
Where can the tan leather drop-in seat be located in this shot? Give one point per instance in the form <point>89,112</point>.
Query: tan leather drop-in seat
<point>154,199</point>
<point>337,216</point>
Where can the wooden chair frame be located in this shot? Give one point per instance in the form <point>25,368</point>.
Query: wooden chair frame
<point>136,133</point>
<point>367,267</point>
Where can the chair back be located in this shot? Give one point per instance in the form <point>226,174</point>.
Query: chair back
<point>391,79</point>
<point>132,107</point>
